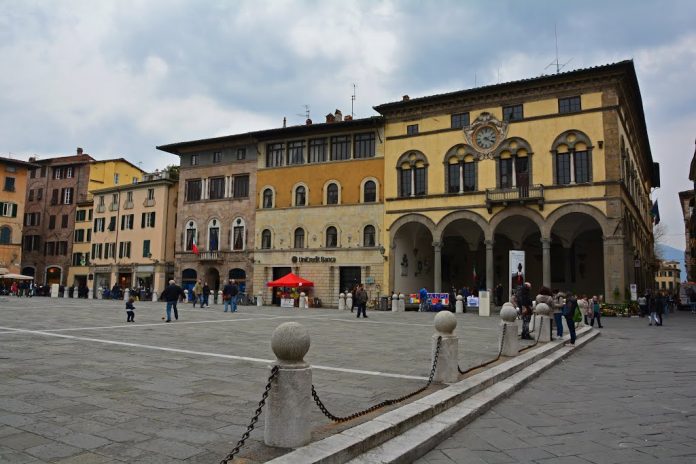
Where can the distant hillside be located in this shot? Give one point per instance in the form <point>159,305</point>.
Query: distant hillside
<point>674,254</point>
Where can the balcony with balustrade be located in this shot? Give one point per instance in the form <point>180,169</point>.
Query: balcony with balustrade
<point>515,196</point>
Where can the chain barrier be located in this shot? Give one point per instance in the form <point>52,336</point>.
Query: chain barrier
<point>541,326</point>
<point>382,404</point>
<point>500,352</point>
<point>257,413</point>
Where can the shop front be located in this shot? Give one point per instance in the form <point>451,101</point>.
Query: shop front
<point>102,278</point>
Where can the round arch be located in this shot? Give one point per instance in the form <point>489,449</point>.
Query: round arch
<point>362,189</point>
<point>325,189</point>
<point>457,215</point>
<point>516,211</point>
<point>411,217</point>
<point>570,138</point>
<point>262,197</point>
<point>596,214</point>
<point>29,271</point>
<point>513,145</point>
<point>293,194</point>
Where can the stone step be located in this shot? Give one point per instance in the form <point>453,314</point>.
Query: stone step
<point>370,437</point>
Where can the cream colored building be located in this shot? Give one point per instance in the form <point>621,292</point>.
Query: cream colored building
<point>134,233</point>
<point>668,277</point>
<point>78,273</point>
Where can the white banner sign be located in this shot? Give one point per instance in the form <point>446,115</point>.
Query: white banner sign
<point>517,269</point>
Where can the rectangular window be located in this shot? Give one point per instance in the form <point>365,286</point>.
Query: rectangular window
<point>101,200</point>
<point>97,249</point>
<point>68,172</point>
<point>317,150</point>
<point>194,160</point>
<point>146,248</point>
<point>405,182</point>
<point>32,174</point>
<point>274,155</point>
<point>89,235</point>
<point>43,171</point>
<point>505,173</point>
<point>80,215</point>
<point>569,105</point>
<point>129,197</point>
<point>62,248</point>
<point>459,120</point>
<point>193,190</point>
<point>9,184</point>
<point>216,188</point>
<point>513,113</point>
<point>116,179</point>
<point>99,224</point>
<point>241,186</point>
<point>54,197</point>
<point>31,195</point>
<point>110,251</point>
<point>112,223</point>
<point>340,147</point>
<point>8,209</point>
<point>68,196</point>
<point>52,222</point>
<point>39,194</point>
<point>124,249</point>
<point>50,248</point>
<point>412,129</point>
<point>582,167</point>
<point>296,152</point>
<point>217,157</point>
<point>147,220</point>
<point>150,194</point>
<point>469,177</point>
<point>420,181</point>
<point>57,173</point>
<point>64,221</point>
<point>76,259</point>
<point>89,214</point>
<point>31,243</point>
<point>453,178</point>
<point>563,168</point>
<point>241,153</point>
<point>364,145</point>
<point>127,222</point>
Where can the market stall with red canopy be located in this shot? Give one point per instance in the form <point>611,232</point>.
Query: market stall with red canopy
<point>288,298</point>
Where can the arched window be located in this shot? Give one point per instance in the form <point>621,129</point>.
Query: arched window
<point>238,239</point>
<point>332,194</point>
<point>461,169</point>
<point>299,237</point>
<point>370,192</point>
<point>412,173</point>
<point>214,235</point>
<point>369,236</point>
<point>267,198</point>
<point>300,196</point>
<point>513,164</point>
<point>191,235</point>
<point>266,239</point>
<point>572,158</point>
<point>331,237</point>
<point>5,235</point>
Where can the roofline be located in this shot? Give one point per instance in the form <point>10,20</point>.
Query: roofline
<point>145,184</point>
<point>267,134</point>
<point>120,159</point>
<point>18,162</point>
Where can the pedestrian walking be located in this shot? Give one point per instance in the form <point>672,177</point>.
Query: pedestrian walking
<point>571,304</point>
<point>229,296</point>
<point>197,293</point>
<point>130,310</point>
<point>660,309</point>
<point>653,304</point>
<point>14,289</point>
<point>596,312</point>
<point>525,301</point>
<point>361,300</point>
<point>423,295</point>
<point>585,311</point>
<point>643,305</point>
<point>206,295</point>
<point>171,295</point>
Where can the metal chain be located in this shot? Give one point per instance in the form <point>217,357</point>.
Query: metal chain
<point>382,404</point>
<point>500,352</point>
<point>541,326</point>
<point>257,413</point>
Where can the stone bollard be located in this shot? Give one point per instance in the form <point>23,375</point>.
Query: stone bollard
<point>447,369</point>
<point>100,293</point>
<point>509,342</point>
<point>154,296</point>
<point>395,303</point>
<point>66,291</point>
<point>402,302</point>
<point>459,305</point>
<point>341,301</point>
<point>289,404</point>
<point>54,290</point>
<point>126,294</point>
<point>90,293</point>
<point>186,293</point>
<point>301,304</point>
<point>74,292</point>
<point>219,297</point>
<point>484,303</point>
<point>349,301</point>
<point>259,299</point>
<point>543,310</point>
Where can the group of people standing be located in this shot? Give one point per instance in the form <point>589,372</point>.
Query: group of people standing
<point>201,293</point>
<point>360,300</point>
<point>654,306</point>
<point>23,288</point>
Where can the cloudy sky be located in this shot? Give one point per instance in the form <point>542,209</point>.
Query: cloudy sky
<point>120,77</point>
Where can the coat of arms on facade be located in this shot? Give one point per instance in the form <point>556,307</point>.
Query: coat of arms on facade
<point>485,134</point>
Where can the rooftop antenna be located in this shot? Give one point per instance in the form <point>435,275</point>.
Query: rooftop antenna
<point>306,112</point>
<point>556,62</point>
<point>352,102</point>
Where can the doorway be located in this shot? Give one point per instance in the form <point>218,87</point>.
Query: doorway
<point>278,272</point>
<point>349,277</point>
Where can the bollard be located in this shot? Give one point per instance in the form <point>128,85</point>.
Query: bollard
<point>289,404</point>
<point>508,330</point>
<point>259,299</point>
<point>154,296</point>
<point>126,294</point>
<point>90,293</point>
<point>447,369</point>
<point>543,310</point>
<point>341,301</point>
<point>54,290</point>
<point>402,302</point>
<point>219,297</point>
<point>100,293</point>
<point>484,303</point>
<point>459,305</point>
<point>395,303</point>
<point>74,292</point>
<point>301,301</point>
<point>186,293</point>
<point>349,301</point>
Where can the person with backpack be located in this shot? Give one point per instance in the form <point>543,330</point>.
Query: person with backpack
<point>229,296</point>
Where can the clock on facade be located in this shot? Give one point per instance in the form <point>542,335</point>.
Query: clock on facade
<point>486,137</point>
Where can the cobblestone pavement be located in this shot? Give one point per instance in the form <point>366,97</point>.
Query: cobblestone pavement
<point>80,385</point>
<point>628,397</point>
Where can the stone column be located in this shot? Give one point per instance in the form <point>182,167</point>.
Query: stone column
<point>508,330</point>
<point>289,404</point>
<point>546,261</point>
<point>614,278</point>
<point>448,358</point>
<point>437,248</point>
<point>461,177</point>
<point>489,264</point>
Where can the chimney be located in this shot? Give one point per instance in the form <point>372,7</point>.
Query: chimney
<point>32,159</point>
<point>348,117</point>
<point>330,118</point>
<point>338,115</point>
<point>405,98</point>
<point>285,121</point>
<point>308,122</point>
<point>79,150</point>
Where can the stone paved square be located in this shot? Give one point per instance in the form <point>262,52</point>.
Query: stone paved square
<point>79,384</point>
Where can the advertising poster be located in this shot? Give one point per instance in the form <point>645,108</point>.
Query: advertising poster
<point>517,269</point>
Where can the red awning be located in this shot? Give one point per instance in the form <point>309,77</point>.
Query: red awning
<point>291,280</point>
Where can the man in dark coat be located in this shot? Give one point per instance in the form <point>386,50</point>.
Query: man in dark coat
<point>361,300</point>
<point>171,295</point>
<point>229,296</point>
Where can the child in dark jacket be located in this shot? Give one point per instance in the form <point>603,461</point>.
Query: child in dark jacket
<point>130,310</point>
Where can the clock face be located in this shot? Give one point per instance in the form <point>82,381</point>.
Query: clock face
<point>486,137</point>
